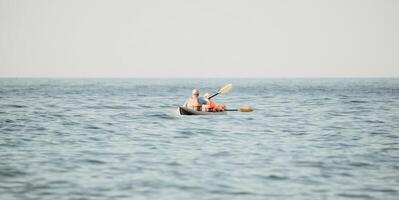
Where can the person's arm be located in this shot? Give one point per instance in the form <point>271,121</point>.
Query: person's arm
<point>203,101</point>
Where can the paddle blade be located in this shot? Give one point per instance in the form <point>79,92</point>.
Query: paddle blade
<point>246,109</point>
<point>227,88</point>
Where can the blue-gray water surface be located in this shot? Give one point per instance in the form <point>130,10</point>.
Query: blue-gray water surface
<point>121,139</point>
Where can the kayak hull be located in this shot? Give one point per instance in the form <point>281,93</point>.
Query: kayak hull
<point>187,111</point>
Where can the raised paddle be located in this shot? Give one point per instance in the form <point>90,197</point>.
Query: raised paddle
<point>245,109</point>
<point>226,89</point>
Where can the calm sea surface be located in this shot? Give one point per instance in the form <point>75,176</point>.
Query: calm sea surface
<point>120,139</point>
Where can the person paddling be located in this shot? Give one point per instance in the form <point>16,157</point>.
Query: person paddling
<point>211,106</point>
<point>195,102</point>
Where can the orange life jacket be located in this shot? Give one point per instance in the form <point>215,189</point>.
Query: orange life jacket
<point>193,103</point>
<point>215,107</point>
<point>212,104</point>
<point>210,107</point>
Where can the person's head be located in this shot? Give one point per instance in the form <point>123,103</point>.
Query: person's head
<point>207,95</point>
<point>195,93</point>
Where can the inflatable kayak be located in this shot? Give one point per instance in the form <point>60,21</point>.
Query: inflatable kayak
<point>187,111</point>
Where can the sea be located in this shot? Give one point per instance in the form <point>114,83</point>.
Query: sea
<point>117,139</point>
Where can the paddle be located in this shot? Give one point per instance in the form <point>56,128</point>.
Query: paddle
<point>245,109</point>
<point>226,89</point>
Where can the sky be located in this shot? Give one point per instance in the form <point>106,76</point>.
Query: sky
<point>206,38</point>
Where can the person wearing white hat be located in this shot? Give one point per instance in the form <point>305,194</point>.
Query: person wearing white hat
<point>195,102</point>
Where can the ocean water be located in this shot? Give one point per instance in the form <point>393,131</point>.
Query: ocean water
<point>120,139</point>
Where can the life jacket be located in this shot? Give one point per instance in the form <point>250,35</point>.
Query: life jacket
<point>210,107</point>
<point>193,103</point>
<point>212,104</point>
<point>217,108</point>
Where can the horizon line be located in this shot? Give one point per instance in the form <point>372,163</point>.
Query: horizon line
<point>232,77</point>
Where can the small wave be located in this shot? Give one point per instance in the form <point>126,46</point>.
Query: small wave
<point>238,193</point>
<point>10,129</point>
<point>173,164</point>
<point>186,132</point>
<point>92,127</point>
<point>143,106</point>
<point>357,101</point>
<point>94,161</point>
<point>8,121</point>
<point>359,164</point>
<point>390,149</point>
<point>40,128</point>
<point>15,106</point>
<point>118,107</point>
<point>69,123</point>
<point>375,121</point>
<point>180,137</point>
<point>358,196</point>
<point>11,172</point>
<point>392,136</point>
<point>275,177</point>
<point>382,190</point>
<point>59,183</point>
<point>220,154</point>
<point>162,116</point>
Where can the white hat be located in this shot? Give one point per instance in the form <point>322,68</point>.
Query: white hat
<point>195,91</point>
<point>207,95</point>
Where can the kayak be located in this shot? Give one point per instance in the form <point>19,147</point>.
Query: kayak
<point>187,111</point>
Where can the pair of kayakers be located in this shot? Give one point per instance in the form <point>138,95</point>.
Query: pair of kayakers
<point>202,103</point>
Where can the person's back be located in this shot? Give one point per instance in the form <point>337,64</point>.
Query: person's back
<point>194,102</point>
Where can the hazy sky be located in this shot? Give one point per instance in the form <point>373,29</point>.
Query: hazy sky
<point>215,38</point>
